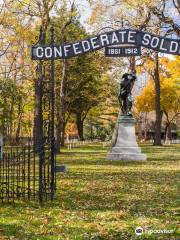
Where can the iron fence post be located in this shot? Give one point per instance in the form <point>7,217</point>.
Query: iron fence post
<point>52,121</point>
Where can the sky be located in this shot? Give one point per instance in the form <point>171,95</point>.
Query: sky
<point>85,11</point>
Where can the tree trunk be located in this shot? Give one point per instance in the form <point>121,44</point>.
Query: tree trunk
<point>11,121</point>
<point>166,127</point>
<point>18,132</point>
<point>20,114</point>
<point>63,134</point>
<point>60,133</point>
<point>80,127</point>
<point>145,126</point>
<point>38,115</point>
<point>132,66</point>
<point>140,132</point>
<point>159,113</point>
<point>169,132</point>
<point>166,132</point>
<point>4,114</point>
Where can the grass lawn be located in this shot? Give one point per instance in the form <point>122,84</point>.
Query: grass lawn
<point>99,199</point>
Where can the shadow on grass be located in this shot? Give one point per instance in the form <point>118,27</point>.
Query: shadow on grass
<point>15,232</point>
<point>92,185</point>
<point>141,192</point>
<point>101,160</point>
<point>128,191</point>
<point>10,230</point>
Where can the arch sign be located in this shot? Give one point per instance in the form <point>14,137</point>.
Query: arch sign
<point>125,36</point>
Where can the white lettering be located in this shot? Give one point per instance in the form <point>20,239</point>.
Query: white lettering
<point>114,38</point>
<point>76,49</point>
<point>122,36</point>
<point>86,46</point>
<point>154,42</point>
<point>57,52</point>
<point>173,47</point>
<point>131,37</point>
<point>94,43</point>
<point>66,50</point>
<point>104,39</point>
<point>146,39</point>
<point>112,51</point>
<point>48,52</point>
<point>39,52</point>
<point>161,46</point>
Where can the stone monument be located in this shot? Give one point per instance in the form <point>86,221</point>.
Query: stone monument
<point>124,144</point>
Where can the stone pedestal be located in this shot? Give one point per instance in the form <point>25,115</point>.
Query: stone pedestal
<point>125,147</point>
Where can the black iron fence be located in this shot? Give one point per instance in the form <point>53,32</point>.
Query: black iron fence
<point>24,177</point>
<point>29,172</point>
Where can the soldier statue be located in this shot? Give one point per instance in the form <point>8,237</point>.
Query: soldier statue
<point>125,96</point>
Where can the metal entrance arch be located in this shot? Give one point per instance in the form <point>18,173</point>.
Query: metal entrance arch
<point>29,172</point>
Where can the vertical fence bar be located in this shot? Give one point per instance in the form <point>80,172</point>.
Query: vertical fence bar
<point>7,169</point>
<point>1,178</point>
<point>13,170</point>
<point>40,142</point>
<point>52,120</point>
<point>29,171</point>
<point>18,173</point>
<point>39,126</point>
<point>34,175</point>
<point>3,174</point>
<point>24,172</point>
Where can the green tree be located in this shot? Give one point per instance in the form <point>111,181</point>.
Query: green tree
<point>86,86</point>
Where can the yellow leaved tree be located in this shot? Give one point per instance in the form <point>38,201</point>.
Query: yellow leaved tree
<point>170,93</point>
